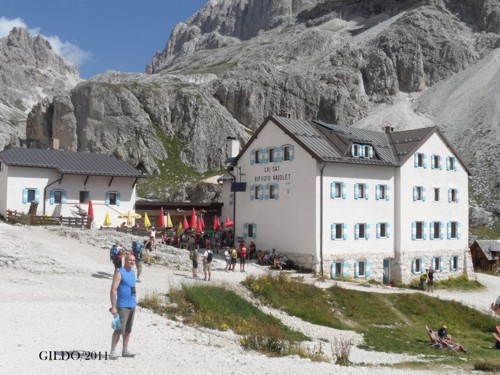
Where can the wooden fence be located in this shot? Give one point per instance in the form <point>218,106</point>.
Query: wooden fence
<point>31,219</point>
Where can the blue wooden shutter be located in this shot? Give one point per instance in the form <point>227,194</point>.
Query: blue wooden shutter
<point>332,190</point>
<point>368,269</point>
<point>433,157</point>
<point>276,191</point>
<point>449,195</point>
<point>414,266</point>
<point>333,270</point>
<point>377,192</point>
<point>433,263</point>
<point>441,264</point>
<point>431,230</point>
<point>441,230</point>
<point>413,230</point>
<point>281,153</point>
<point>387,196</point>
<point>266,191</point>
<point>356,191</point>
<point>25,196</point>
<point>37,195</point>
<point>459,230</point>
<point>344,234</point>
<point>356,269</point>
<point>64,196</point>
<point>333,231</point>
<point>448,225</point>
<point>416,159</point>
<point>252,157</point>
<point>370,152</point>
<point>254,230</point>
<point>344,190</point>
<point>361,151</point>
<point>425,161</point>
<point>424,230</point>
<point>440,160</point>
<point>451,263</point>
<point>378,230</point>
<point>424,195</point>
<point>291,152</point>
<point>422,265</point>
<point>367,188</point>
<point>118,198</point>
<point>415,193</point>
<point>261,191</point>
<point>245,230</point>
<point>252,192</point>
<point>367,231</point>
<point>447,163</point>
<point>106,202</point>
<point>52,200</point>
<point>458,199</point>
<point>455,165</point>
<point>275,152</point>
<point>356,231</point>
<point>345,269</point>
<point>388,230</point>
<point>353,146</point>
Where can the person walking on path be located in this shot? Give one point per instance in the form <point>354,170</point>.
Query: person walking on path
<point>234,256</point>
<point>208,256</point>
<point>123,303</point>
<point>243,255</point>
<point>227,255</point>
<point>193,255</point>
<point>430,280</point>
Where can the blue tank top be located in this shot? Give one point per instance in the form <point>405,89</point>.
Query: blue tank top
<point>126,289</point>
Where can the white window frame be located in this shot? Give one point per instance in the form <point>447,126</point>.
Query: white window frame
<point>419,226</point>
<point>452,163</point>
<point>454,263</point>
<point>84,196</point>
<point>257,155</point>
<point>339,234</point>
<point>383,230</point>
<point>58,196</point>
<point>361,266</point>
<point>438,196</point>
<point>418,265</point>
<point>453,230</point>
<point>361,191</point>
<point>258,192</point>
<point>362,230</point>
<point>420,193</point>
<point>436,261</point>
<point>420,159</point>
<point>271,155</point>
<point>272,191</point>
<point>337,189</point>
<point>286,153</point>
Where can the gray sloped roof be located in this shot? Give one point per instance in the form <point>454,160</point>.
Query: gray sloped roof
<point>488,247</point>
<point>331,143</point>
<point>68,162</point>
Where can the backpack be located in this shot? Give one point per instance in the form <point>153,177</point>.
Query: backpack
<point>210,256</point>
<point>114,253</point>
<point>137,250</point>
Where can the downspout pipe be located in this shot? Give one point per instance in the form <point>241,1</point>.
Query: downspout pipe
<point>45,191</point>
<point>321,218</point>
<point>234,205</point>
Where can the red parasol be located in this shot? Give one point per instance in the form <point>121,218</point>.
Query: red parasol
<point>202,221</point>
<point>216,223</point>
<point>161,220</point>
<point>90,210</point>
<point>185,223</point>
<point>199,228</point>
<point>193,219</point>
<point>228,222</point>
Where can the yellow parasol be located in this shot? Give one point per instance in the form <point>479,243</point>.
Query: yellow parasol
<point>180,229</point>
<point>169,221</point>
<point>130,215</point>
<point>107,220</point>
<point>147,223</point>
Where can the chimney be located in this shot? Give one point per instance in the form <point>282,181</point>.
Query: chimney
<point>55,143</point>
<point>388,129</point>
<point>232,147</point>
<point>286,114</point>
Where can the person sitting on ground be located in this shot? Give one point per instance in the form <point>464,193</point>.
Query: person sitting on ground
<point>260,257</point>
<point>251,250</point>
<point>443,333</point>
<point>277,262</point>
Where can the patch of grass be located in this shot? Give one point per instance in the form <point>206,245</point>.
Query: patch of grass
<point>461,282</point>
<point>222,309</point>
<point>485,233</point>
<point>389,322</point>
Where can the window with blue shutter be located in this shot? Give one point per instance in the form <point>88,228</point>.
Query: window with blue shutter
<point>252,192</point>
<point>245,230</point>
<point>356,191</point>
<point>433,264</point>
<point>107,198</point>
<point>51,197</point>
<point>345,269</point>
<point>367,188</point>
<point>344,190</point>
<point>344,234</point>
<point>265,156</point>
<point>280,154</point>
<point>356,231</point>
<point>252,157</point>
<point>423,194</point>
<point>377,192</point>
<point>448,229</point>
<point>447,163</point>
<point>367,231</point>
<point>37,195</point>
<point>356,269</point>
<point>24,196</point>
<point>254,230</point>
<point>388,230</point>
<point>459,230</point>
<point>433,158</point>
<point>370,152</point>
<point>422,265</point>
<point>441,264</point>
<point>441,230</point>
<point>377,230</point>
<point>266,191</point>
<point>414,266</point>
<point>424,230</point>
<point>334,231</point>
<point>337,231</point>
<point>333,270</point>
<point>414,230</point>
<point>118,198</point>
<point>424,165</point>
<point>368,270</point>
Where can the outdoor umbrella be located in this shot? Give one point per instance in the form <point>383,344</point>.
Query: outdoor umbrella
<point>130,215</point>
<point>216,223</point>
<point>228,222</point>
<point>202,221</point>
<point>169,221</point>
<point>193,219</point>
<point>180,229</point>
<point>107,220</point>
<point>90,211</point>
<point>147,223</point>
<point>199,228</point>
<point>185,223</point>
<point>161,220</point>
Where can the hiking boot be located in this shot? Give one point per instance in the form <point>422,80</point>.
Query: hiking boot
<point>113,355</point>
<point>127,354</point>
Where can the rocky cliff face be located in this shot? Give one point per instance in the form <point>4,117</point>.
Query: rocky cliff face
<point>365,63</point>
<point>30,71</point>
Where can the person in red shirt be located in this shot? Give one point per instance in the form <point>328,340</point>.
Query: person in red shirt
<point>243,255</point>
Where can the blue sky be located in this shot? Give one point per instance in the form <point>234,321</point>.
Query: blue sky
<point>100,35</point>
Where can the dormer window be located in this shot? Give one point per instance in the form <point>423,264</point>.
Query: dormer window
<point>362,151</point>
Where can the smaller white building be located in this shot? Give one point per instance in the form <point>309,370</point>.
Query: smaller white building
<point>59,181</point>
<point>350,202</point>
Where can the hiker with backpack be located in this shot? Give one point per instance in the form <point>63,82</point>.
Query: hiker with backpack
<point>116,254</point>
<point>193,255</point>
<point>137,251</point>
<point>208,256</point>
